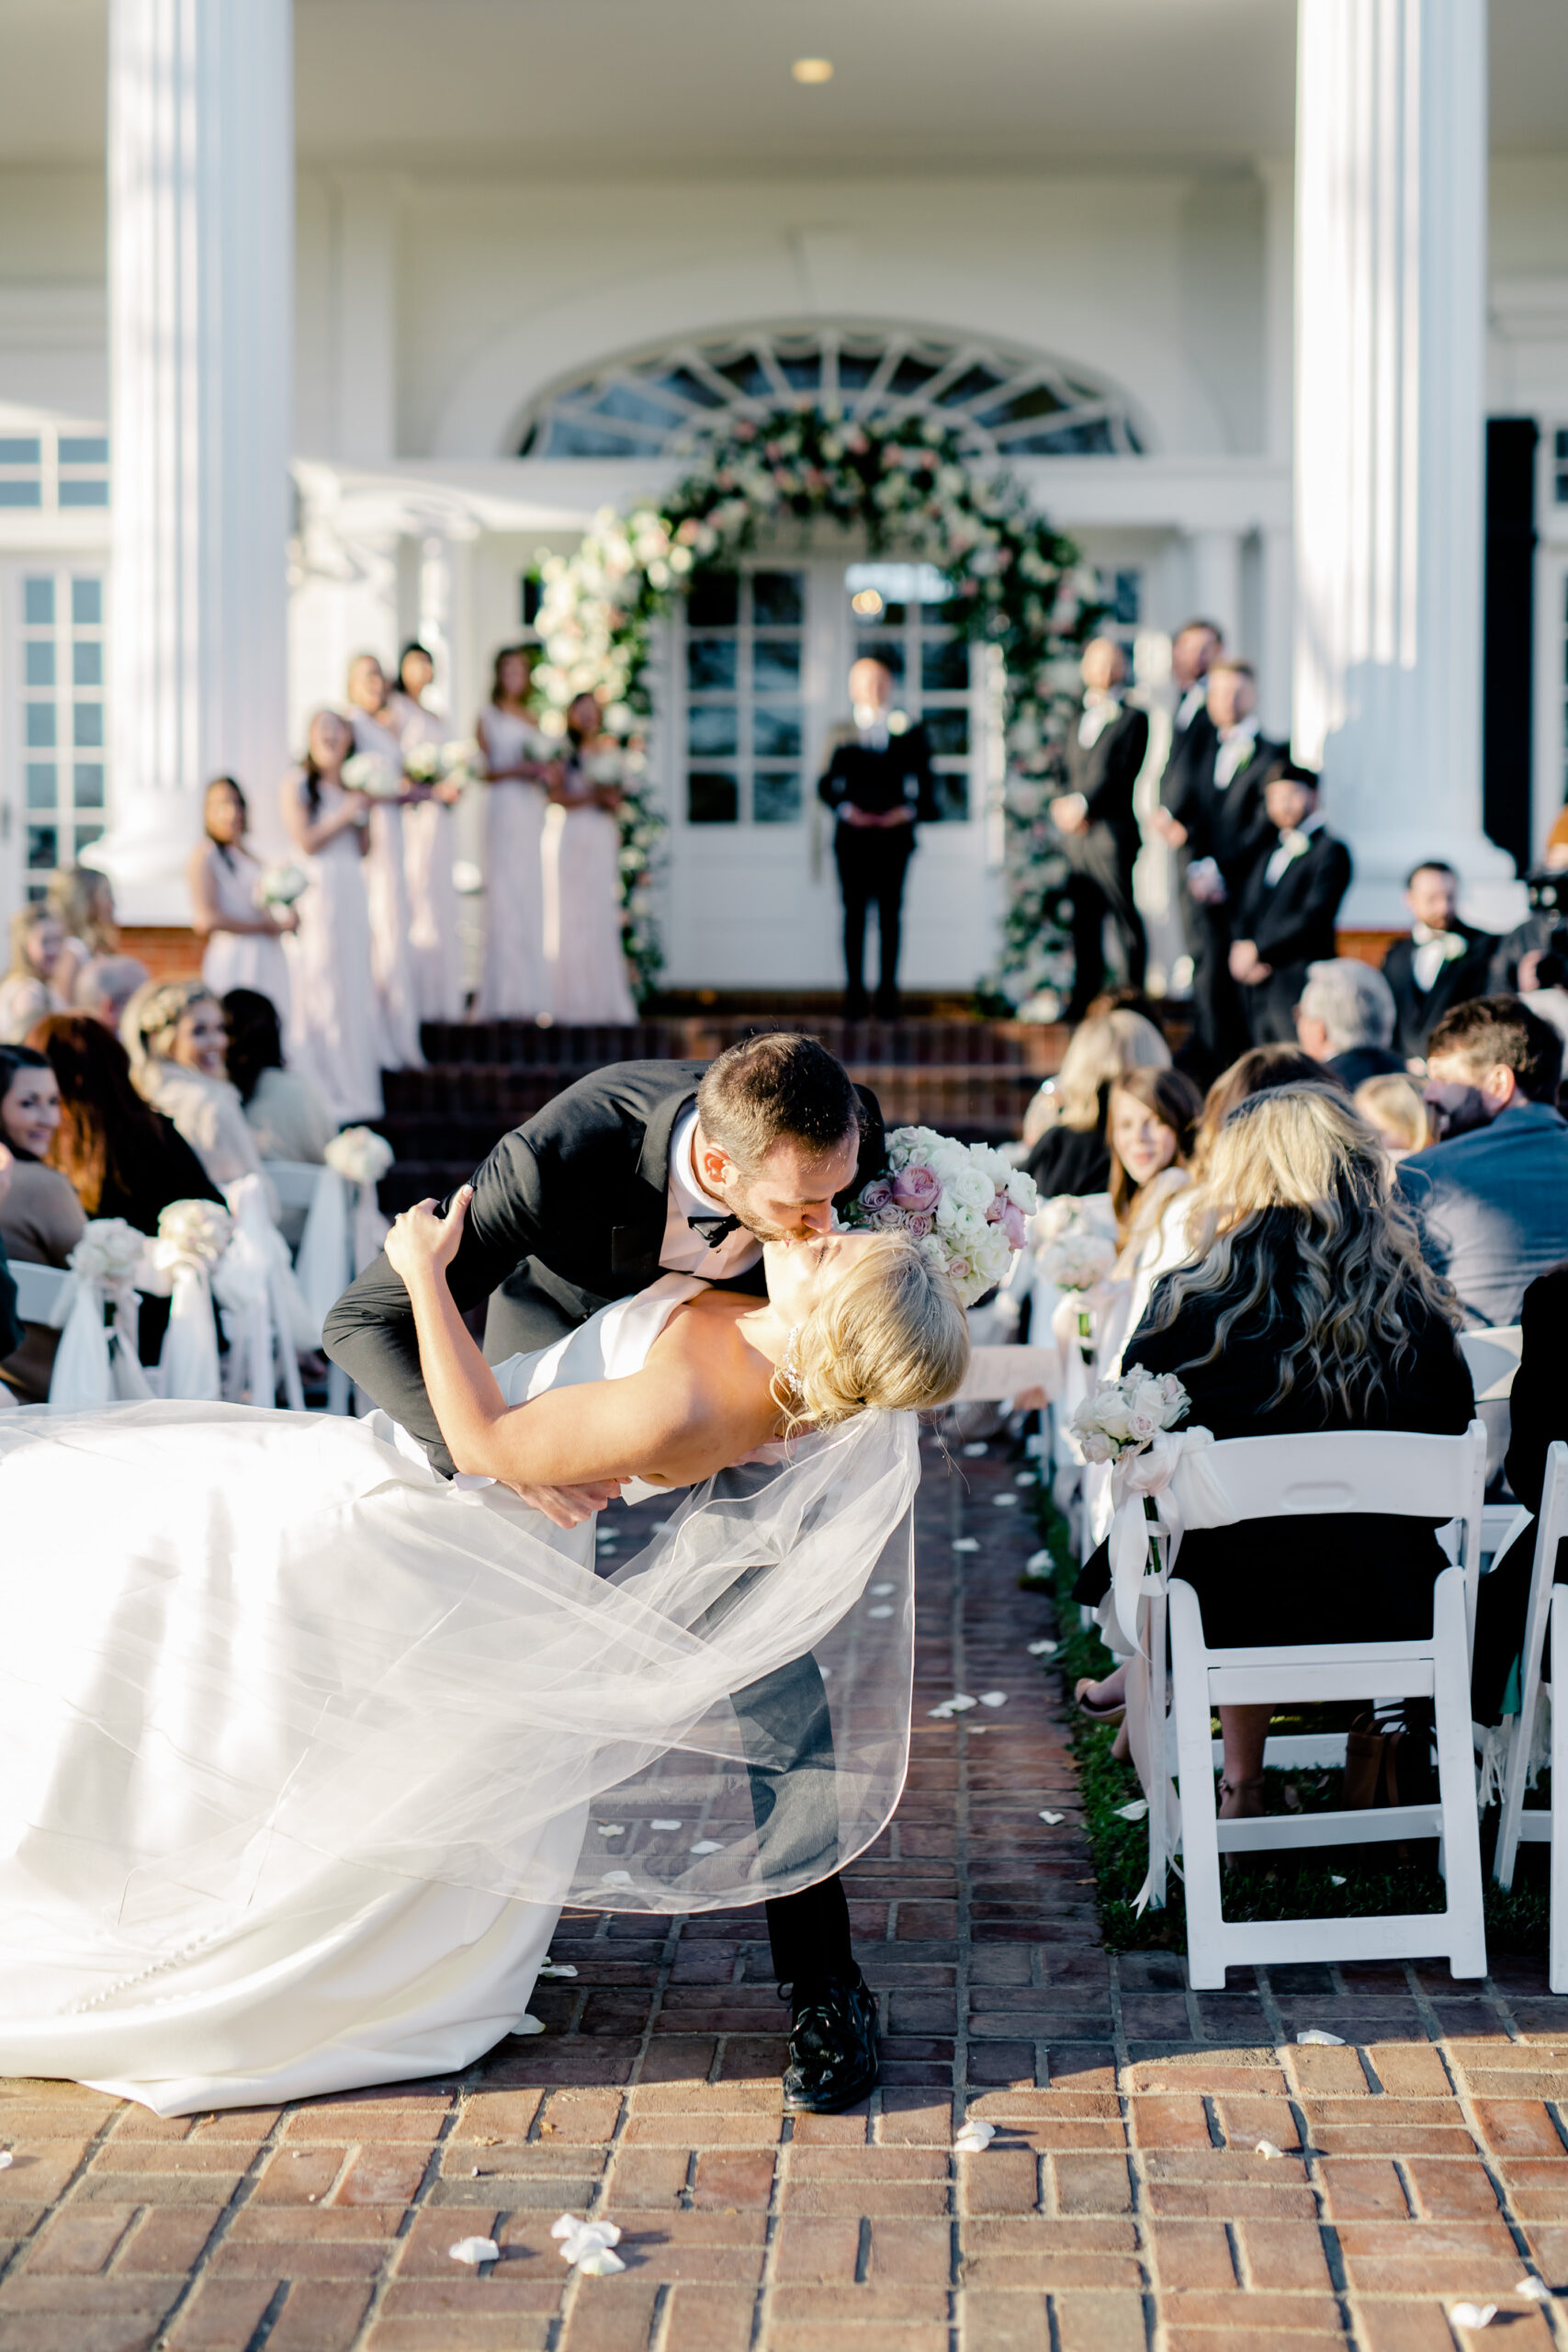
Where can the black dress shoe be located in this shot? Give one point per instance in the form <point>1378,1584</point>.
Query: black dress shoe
<point>833,2047</point>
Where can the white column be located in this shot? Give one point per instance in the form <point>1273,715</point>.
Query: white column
<point>1391,212</point>
<point>1216,583</point>
<point>201,270</point>
<point>366,313</point>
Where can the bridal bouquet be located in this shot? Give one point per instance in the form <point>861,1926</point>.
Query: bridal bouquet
<point>368,772</point>
<point>966,1206</point>
<point>1125,1416</point>
<point>359,1156</point>
<point>280,885</point>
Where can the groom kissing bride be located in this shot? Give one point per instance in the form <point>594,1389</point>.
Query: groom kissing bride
<point>309,1717</point>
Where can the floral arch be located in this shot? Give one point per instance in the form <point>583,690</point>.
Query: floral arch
<point>910,489</point>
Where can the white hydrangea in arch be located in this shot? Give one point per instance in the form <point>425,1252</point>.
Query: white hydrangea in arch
<point>999,399</point>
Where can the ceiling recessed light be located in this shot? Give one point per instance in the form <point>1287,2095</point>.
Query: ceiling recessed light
<point>813,69</point>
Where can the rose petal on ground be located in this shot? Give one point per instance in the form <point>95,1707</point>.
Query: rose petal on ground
<point>973,2136</point>
<point>943,1712</point>
<point>1037,1562</point>
<point>965,1542</point>
<point>1043,1649</point>
<point>705,1846</point>
<point>975,1451</point>
<point>474,2251</point>
<point>1333,1880</point>
<point>1534,2291</point>
<point>1473,2315</point>
<point>617,1878</point>
<point>599,2263</point>
<point>1026,1478</point>
<point>883,1609</point>
<point>556,1968</point>
<point>993,1697</point>
<point>611,1828</point>
<point>664,1825</point>
<point>878,1589</point>
<point>960,1701</point>
<point>1266,2149</point>
<point>1314,2038</point>
<point>1053,1817</point>
<point>1004,1502</point>
<point>1135,1812</point>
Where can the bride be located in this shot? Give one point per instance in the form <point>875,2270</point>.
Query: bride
<point>306,1741</point>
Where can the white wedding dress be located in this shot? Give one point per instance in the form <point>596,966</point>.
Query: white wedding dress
<point>307,1746</point>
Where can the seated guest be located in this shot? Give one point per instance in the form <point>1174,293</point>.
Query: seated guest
<point>1441,963</point>
<point>1539,1405</point>
<point>1490,1196</point>
<point>1345,1021</point>
<point>40,1217</point>
<point>83,900</point>
<point>1152,1126</point>
<point>282,1107</point>
<point>1393,1105</point>
<point>106,985</point>
<point>27,992</point>
<point>1072,1154</point>
<point>173,1033</point>
<point>1305,1305</point>
<point>1516,960</point>
<point>1288,904</point>
<point>1262,1070</point>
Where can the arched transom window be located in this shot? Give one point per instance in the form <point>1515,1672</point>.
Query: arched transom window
<point>1001,401</point>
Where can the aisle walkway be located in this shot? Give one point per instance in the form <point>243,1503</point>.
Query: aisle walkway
<point>1122,2204</point>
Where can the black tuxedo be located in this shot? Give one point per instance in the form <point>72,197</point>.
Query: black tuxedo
<point>1105,772</point>
<point>1190,746</point>
<point>1229,823</point>
<point>1466,975</point>
<point>1290,924</point>
<point>872,860</point>
<point>569,1212</point>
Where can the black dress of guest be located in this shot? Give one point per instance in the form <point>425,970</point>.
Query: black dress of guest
<point>153,1173</point>
<point>1538,1415</point>
<point>872,860</point>
<point>1357,1063</point>
<point>1071,1159</point>
<point>1343,1575</point>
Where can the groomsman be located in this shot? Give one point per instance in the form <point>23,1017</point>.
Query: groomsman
<point>1286,909</point>
<point>1443,962</point>
<point>1098,829</point>
<point>879,784</point>
<point>1217,806</point>
<point>1194,650</point>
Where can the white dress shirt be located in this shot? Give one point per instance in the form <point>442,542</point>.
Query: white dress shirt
<point>1098,710</point>
<point>1292,845</point>
<point>684,1251</point>
<point>1191,703</point>
<point>1237,746</point>
<point>1433,950</point>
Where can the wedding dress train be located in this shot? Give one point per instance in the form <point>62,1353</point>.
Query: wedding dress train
<point>307,1746</point>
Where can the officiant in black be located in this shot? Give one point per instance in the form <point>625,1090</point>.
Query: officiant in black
<point>1099,828</point>
<point>880,788</point>
<point>1287,908</point>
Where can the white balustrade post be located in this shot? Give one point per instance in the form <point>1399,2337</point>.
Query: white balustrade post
<point>201,321</point>
<point>1391,231</point>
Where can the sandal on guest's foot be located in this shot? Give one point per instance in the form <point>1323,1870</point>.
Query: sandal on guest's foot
<point>1097,1714</point>
<point>1242,1799</point>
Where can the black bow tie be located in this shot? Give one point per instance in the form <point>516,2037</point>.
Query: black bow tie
<point>715,1230</point>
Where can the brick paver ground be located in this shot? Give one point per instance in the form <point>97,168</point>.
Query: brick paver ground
<point>1122,2204</point>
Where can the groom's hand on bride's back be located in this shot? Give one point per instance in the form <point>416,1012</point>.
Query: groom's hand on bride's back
<point>569,1506</point>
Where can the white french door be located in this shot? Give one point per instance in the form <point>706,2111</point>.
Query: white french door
<point>54,772</point>
<point>754,683</point>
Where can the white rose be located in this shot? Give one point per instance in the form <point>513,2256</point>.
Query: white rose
<point>970,1187</point>
<point>1114,1419</point>
<point>1022,1191</point>
<point>1096,1449</point>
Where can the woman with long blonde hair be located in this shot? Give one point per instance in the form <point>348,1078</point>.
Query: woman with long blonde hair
<point>27,991</point>
<point>82,900</point>
<point>1305,1305</point>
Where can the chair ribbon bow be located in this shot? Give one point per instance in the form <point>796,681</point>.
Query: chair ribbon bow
<point>96,1365</point>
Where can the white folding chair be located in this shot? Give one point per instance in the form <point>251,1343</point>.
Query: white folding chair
<point>1550,1527</point>
<point>1402,1475</point>
<point>1557,1961</point>
<point>37,1289</point>
<point>1492,1359</point>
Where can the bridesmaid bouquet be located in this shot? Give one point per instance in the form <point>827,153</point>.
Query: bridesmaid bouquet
<point>1074,1257</point>
<point>1125,1417</point>
<point>280,885</point>
<point>966,1206</point>
<point>368,772</point>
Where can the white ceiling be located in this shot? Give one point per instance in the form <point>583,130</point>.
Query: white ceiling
<point>618,88</point>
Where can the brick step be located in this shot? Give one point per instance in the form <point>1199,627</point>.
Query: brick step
<point>920,1044</point>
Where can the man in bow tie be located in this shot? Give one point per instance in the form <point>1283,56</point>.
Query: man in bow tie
<point>1098,829</point>
<point>1287,906</point>
<point>1441,963</point>
<point>880,787</point>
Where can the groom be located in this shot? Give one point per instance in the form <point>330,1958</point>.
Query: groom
<point>643,1169</point>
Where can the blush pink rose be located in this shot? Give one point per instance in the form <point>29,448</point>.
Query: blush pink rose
<point>995,1213</point>
<point>1015,1226</point>
<point>917,1188</point>
<point>877,1195</point>
<point>919,1224</point>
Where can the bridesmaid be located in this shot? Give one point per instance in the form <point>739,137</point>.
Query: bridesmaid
<point>386,866</point>
<point>519,764</point>
<point>334,1033</point>
<point>430,841</point>
<point>582,876</point>
<point>245,939</point>
<point>82,900</point>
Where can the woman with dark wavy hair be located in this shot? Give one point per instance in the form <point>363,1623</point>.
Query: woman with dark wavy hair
<point>1305,1305</point>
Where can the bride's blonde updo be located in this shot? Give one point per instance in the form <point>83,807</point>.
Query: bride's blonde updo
<point>891,1332</point>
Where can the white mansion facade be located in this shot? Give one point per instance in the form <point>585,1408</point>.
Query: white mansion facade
<point>352,311</point>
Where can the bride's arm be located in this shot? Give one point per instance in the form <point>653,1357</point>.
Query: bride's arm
<point>668,1425</point>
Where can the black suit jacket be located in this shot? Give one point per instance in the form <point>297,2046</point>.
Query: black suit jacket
<point>1107,771</point>
<point>573,1201</point>
<point>1190,746</point>
<point>1227,822</point>
<point>1292,923</point>
<point>896,777</point>
<point>1465,977</point>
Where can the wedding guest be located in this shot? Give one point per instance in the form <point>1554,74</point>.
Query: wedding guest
<point>1151,1127</point>
<point>430,841</point>
<point>243,938</point>
<point>1098,829</point>
<point>1072,1154</point>
<point>106,985</point>
<point>1262,1070</point>
<point>83,898</point>
<point>1306,1306</point>
<point>1442,963</point>
<point>282,1107</point>
<point>1287,905</point>
<point>520,765</point>
<point>1345,1018</point>
<point>40,1217</point>
<point>879,785</point>
<point>1516,960</point>
<point>375,734</point>
<point>583,947</point>
<point>1539,1415</point>
<point>1393,1104</point>
<point>173,1033</point>
<point>335,1036</point>
<point>1491,1195</point>
<point>1217,803</point>
<point>27,991</point>
<point>1194,650</point>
